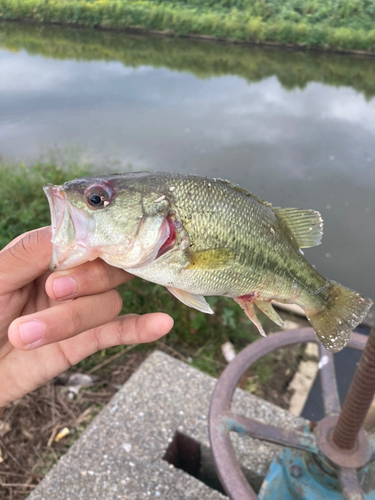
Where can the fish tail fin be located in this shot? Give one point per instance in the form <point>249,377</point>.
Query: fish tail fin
<point>343,311</point>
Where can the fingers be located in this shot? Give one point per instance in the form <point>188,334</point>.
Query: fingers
<point>64,321</point>
<point>23,371</point>
<point>87,279</point>
<point>129,329</point>
<point>29,255</point>
<point>24,259</point>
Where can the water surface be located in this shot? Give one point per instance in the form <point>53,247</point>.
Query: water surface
<point>297,129</point>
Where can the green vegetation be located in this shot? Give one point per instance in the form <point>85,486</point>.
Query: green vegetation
<point>338,24</point>
<point>294,69</point>
<point>196,337</point>
<point>23,204</point>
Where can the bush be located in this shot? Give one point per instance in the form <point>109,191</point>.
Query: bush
<point>341,24</point>
<point>23,207</point>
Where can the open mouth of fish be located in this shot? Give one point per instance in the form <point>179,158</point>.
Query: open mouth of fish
<point>70,231</point>
<point>73,238</point>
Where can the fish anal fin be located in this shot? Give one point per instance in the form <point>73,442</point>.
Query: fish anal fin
<point>248,306</point>
<point>266,307</point>
<point>215,258</point>
<point>189,299</point>
<point>306,226</point>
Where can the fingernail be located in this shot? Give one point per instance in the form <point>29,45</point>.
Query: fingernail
<point>32,331</point>
<point>64,287</point>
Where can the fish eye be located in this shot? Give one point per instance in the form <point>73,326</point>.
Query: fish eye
<point>96,200</point>
<point>97,197</point>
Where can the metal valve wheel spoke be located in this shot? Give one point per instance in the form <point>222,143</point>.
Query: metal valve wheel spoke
<point>270,433</point>
<point>372,444</point>
<point>349,484</point>
<point>329,384</point>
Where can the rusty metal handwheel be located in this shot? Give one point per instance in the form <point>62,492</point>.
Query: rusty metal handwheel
<point>222,421</point>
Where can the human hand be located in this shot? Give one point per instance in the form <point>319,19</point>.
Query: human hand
<point>51,321</point>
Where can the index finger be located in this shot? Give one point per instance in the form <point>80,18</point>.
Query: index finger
<point>86,279</point>
<point>24,259</point>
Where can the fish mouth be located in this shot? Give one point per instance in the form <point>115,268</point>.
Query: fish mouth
<point>70,229</point>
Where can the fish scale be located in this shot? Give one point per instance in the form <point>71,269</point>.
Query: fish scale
<point>240,232</point>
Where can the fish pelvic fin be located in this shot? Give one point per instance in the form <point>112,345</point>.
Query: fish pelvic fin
<point>189,299</point>
<point>334,323</point>
<point>306,226</point>
<point>247,304</point>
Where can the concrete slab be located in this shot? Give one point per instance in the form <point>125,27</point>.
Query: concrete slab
<point>120,455</point>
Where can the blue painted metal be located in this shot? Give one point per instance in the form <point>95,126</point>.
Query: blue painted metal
<point>297,475</point>
<point>233,425</point>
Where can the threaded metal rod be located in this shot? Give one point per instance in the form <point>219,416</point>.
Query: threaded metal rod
<point>358,399</point>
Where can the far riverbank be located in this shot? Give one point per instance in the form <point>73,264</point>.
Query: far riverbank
<point>318,24</point>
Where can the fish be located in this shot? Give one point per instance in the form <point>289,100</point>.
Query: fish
<point>202,237</point>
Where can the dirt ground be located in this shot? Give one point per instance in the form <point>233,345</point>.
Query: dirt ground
<point>29,428</point>
<point>32,429</point>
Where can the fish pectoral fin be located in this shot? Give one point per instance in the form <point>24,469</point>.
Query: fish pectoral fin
<point>214,258</point>
<point>266,307</point>
<point>191,300</point>
<point>248,307</point>
<point>306,226</point>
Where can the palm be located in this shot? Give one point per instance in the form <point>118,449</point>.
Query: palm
<point>26,370</point>
<point>73,329</point>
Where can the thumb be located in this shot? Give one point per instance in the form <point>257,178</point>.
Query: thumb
<point>24,259</point>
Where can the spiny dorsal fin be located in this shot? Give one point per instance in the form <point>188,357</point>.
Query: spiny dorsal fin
<point>243,191</point>
<point>306,226</point>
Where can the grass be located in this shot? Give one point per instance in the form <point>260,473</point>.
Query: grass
<point>23,203</point>
<point>337,24</point>
<point>197,337</point>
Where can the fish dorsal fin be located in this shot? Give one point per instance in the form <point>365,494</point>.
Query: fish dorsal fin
<point>306,226</point>
<point>191,300</point>
<point>213,258</point>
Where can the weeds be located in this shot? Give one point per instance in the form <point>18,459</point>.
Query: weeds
<point>339,24</point>
<point>23,205</point>
<point>196,336</point>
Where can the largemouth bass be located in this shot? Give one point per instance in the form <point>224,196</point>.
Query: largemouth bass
<point>201,237</point>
